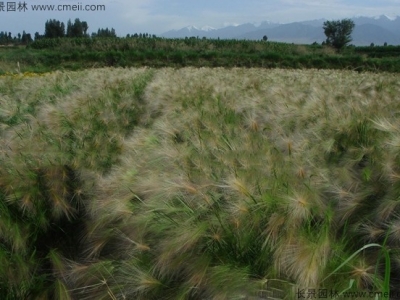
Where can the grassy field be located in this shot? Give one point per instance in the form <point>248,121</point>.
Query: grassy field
<point>46,55</point>
<point>198,183</point>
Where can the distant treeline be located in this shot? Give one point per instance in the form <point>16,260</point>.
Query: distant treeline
<point>6,38</point>
<point>57,29</point>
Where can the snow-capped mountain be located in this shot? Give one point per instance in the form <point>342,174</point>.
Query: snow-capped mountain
<point>207,28</point>
<point>227,32</point>
<point>377,30</point>
<point>204,28</point>
<point>191,28</point>
<point>391,18</point>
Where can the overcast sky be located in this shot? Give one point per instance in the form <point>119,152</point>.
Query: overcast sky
<point>158,16</point>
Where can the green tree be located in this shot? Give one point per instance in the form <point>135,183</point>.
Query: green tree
<point>77,29</point>
<point>101,32</point>
<point>69,28</point>
<point>3,38</point>
<point>85,27</point>
<point>54,29</point>
<point>338,33</point>
<point>26,38</point>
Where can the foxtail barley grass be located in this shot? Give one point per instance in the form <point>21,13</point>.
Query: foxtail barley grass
<point>198,183</point>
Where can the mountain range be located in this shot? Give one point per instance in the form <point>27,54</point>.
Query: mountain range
<point>377,30</point>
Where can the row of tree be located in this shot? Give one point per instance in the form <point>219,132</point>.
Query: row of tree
<point>338,33</point>
<point>56,29</point>
<point>6,38</point>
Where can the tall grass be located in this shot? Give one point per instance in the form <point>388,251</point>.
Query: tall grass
<point>200,184</point>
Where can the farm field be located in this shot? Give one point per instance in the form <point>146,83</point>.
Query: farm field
<point>199,183</point>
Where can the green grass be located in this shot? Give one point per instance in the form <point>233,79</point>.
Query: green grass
<point>45,55</point>
<point>198,183</point>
